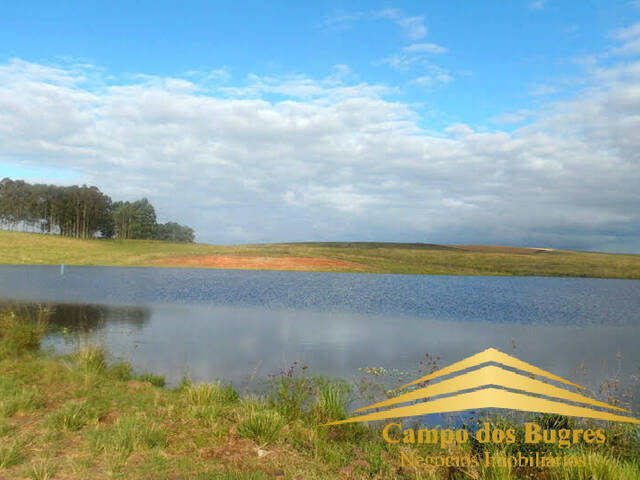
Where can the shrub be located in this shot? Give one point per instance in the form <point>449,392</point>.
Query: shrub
<point>157,380</point>
<point>21,331</point>
<point>290,391</point>
<point>121,371</point>
<point>623,440</point>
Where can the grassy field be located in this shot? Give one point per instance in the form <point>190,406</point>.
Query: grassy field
<point>26,248</point>
<point>80,417</point>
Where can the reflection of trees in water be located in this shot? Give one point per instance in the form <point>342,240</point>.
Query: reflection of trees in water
<point>81,317</point>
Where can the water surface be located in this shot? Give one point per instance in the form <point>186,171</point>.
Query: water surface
<point>237,325</point>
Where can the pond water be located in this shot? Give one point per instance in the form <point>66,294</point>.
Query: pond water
<point>238,325</point>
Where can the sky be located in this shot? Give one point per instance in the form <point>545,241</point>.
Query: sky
<point>509,123</point>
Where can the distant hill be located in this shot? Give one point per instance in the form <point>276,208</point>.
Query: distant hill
<point>355,257</point>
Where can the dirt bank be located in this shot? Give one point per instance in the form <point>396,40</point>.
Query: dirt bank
<point>261,263</point>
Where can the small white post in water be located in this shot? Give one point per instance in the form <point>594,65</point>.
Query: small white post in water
<point>62,269</point>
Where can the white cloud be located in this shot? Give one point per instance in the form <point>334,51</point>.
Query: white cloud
<point>437,76</point>
<point>537,4</point>
<point>629,38</point>
<point>343,19</point>
<point>630,47</point>
<point>418,55</point>
<point>335,158</point>
<point>413,26</point>
<point>627,33</point>
<point>425,48</point>
<point>332,87</point>
<point>459,130</point>
<point>214,75</point>
<point>221,74</point>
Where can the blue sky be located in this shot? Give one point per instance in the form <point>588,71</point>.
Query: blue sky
<point>498,53</point>
<point>295,112</point>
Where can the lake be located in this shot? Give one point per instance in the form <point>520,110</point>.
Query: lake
<point>238,324</point>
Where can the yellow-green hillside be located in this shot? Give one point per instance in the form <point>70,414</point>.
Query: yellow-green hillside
<point>28,248</point>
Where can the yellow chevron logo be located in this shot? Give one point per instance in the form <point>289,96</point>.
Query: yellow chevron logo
<point>490,386</point>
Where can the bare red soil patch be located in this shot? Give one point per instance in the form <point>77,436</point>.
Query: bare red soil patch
<point>261,263</point>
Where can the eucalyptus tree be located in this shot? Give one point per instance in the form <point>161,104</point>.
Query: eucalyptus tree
<point>135,219</point>
<point>81,212</point>
<point>173,232</point>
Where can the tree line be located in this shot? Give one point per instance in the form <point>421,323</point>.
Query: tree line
<point>81,212</point>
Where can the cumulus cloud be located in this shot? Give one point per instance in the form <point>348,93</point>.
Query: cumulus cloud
<point>294,158</point>
<point>630,40</point>
<point>330,88</point>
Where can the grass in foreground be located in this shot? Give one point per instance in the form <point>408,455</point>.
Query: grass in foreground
<point>26,248</point>
<point>77,417</point>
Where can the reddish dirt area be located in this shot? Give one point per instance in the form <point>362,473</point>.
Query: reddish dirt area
<point>262,263</point>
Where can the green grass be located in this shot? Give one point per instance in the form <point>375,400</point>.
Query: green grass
<point>42,470</point>
<point>11,453</point>
<point>29,248</point>
<point>21,331</point>
<point>157,380</point>
<point>15,398</point>
<point>330,404</point>
<point>230,476</point>
<point>76,414</point>
<point>208,393</point>
<point>600,465</point>
<point>90,357</point>
<point>261,426</point>
<point>129,433</point>
<point>60,425</point>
